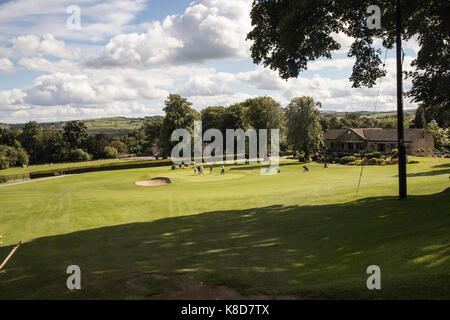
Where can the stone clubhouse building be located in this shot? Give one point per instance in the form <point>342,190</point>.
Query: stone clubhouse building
<point>350,141</point>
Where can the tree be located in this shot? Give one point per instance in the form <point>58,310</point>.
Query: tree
<point>287,34</point>
<point>335,123</point>
<point>325,124</point>
<point>30,139</point>
<point>54,149</point>
<point>75,133</point>
<point>179,115</point>
<point>263,113</point>
<point>10,157</point>
<point>120,146</point>
<point>304,132</point>
<point>214,118</point>
<point>234,117</point>
<point>95,145</point>
<point>426,113</point>
<point>152,130</point>
<point>135,141</point>
<point>441,137</point>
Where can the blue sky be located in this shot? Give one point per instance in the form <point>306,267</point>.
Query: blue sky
<point>128,55</point>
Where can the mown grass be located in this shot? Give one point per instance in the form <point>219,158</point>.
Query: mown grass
<point>297,233</point>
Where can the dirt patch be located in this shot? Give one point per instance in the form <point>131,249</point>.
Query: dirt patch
<point>153,182</point>
<point>191,289</point>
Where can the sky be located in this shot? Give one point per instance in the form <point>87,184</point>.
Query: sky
<point>125,57</point>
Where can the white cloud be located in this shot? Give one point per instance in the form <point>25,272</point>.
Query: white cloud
<point>208,29</point>
<point>201,85</point>
<point>99,19</point>
<point>33,45</point>
<point>6,65</point>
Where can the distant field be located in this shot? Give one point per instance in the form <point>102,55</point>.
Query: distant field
<point>302,234</point>
<point>112,126</point>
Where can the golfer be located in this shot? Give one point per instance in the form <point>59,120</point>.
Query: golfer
<point>223,170</point>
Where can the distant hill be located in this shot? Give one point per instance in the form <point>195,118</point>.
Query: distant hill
<point>368,114</point>
<point>114,126</point>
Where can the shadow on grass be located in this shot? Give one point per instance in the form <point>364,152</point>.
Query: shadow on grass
<point>428,173</point>
<point>310,251</point>
<point>257,166</point>
<point>444,165</point>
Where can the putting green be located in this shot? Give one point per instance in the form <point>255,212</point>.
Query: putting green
<point>302,233</point>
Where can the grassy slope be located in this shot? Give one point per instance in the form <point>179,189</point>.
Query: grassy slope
<point>293,233</point>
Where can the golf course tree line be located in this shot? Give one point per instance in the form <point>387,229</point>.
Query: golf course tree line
<point>300,124</point>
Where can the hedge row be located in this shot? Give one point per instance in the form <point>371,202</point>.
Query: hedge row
<point>102,167</point>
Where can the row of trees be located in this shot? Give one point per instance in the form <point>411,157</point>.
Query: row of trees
<point>300,123</point>
<point>34,144</point>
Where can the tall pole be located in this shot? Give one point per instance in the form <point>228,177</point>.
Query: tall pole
<point>400,132</point>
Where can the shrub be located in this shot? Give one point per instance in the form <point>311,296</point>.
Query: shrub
<point>345,160</point>
<point>354,163</point>
<point>79,155</point>
<point>372,161</point>
<point>413,161</point>
<point>103,167</point>
<point>3,179</point>
<point>373,155</point>
<point>173,167</point>
<point>110,152</point>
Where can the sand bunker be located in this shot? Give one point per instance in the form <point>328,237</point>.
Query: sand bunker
<point>153,182</point>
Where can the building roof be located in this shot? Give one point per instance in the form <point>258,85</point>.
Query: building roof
<point>377,134</point>
<point>333,134</point>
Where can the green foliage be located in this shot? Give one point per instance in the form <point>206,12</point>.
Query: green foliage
<point>75,133</point>
<point>110,152</point>
<point>179,115</point>
<point>287,35</point>
<point>373,155</point>
<point>372,161</point>
<point>10,157</point>
<point>441,137</point>
<point>79,155</point>
<point>214,118</point>
<point>304,132</point>
<point>120,146</point>
<point>347,159</point>
<point>152,131</point>
<point>263,113</point>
